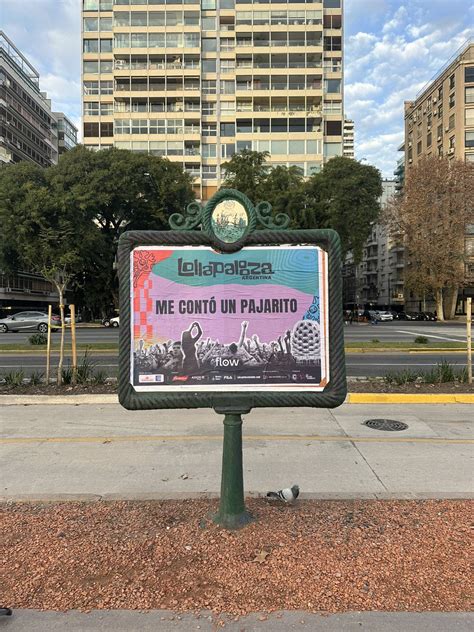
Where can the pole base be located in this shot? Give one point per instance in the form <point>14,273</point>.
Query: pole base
<point>233,521</point>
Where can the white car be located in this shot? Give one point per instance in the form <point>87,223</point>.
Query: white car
<point>383,316</point>
<point>111,322</point>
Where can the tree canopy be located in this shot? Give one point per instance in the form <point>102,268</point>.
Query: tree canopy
<point>432,214</point>
<point>88,199</point>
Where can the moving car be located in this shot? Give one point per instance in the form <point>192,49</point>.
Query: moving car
<point>111,322</point>
<point>29,321</point>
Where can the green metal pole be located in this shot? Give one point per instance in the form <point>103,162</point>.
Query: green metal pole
<point>232,513</point>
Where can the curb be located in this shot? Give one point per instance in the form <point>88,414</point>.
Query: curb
<point>352,398</point>
<point>158,496</point>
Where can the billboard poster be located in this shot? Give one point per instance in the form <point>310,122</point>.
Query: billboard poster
<point>253,320</point>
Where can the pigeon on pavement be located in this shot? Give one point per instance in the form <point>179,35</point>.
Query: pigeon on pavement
<point>288,495</point>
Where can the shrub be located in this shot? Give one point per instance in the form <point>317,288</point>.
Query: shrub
<point>14,378</point>
<point>38,339</point>
<point>85,370</point>
<point>375,341</point>
<point>36,378</point>
<point>421,340</point>
<point>401,377</point>
<point>67,374</point>
<point>99,377</point>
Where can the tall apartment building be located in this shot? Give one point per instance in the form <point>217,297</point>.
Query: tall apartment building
<point>26,120</point>
<point>440,121</point>
<point>200,81</point>
<point>348,149</point>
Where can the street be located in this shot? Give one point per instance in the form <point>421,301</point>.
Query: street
<point>404,331</point>
<point>370,363</point>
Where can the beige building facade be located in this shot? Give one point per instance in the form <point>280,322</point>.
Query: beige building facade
<point>440,121</point>
<point>348,149</point>
<point>198,82</point>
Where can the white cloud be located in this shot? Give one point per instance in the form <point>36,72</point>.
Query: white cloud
<point>391,63</point>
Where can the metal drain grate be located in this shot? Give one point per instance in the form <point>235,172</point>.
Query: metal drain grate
<point>389,425</point>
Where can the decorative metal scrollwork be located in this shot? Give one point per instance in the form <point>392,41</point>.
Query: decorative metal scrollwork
<point>188,220</point>
<point>264,214</point>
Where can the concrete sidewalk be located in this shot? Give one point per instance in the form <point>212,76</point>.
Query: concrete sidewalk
<point>165,621</point>
<point>89,451</point>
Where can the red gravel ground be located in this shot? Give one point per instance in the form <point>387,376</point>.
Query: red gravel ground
<point>317,556</point>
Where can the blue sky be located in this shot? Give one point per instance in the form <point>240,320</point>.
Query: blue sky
<point>393,47</point>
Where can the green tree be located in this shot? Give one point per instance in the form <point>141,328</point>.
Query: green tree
<point>344,196</point>
<point>119,190</point>
<point>247,172</point>
<point>284,189</point>
<point>41,233</point>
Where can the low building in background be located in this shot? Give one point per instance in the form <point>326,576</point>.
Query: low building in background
<point>348,136</point>
<point>66,132</point>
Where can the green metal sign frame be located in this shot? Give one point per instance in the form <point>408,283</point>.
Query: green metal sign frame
<point>262,229</point>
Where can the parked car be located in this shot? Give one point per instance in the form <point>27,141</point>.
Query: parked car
<point>383,316</point>
<point>431,316</point>
<point>111,322</point>
<point>67,319</point>
<point>403,316</point>
<point>29,321</point>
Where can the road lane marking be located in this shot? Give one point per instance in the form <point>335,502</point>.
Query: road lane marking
<point>186,438</point>
<point>422,333</point>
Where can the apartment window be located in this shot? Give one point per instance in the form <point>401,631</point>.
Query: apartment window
<point>157,148</point>
<point>91,108</point>
<point>227,150</point>
<point>209,172</point>
<point>209,151</point>
<point>469,74</point>
<point>227,129</point>
<point>227,87</point>
<point>106,87</point>
<point>209,129</point>
<point>156,40</point>
<point>90,46</point>
<point>90,5</point>
<point>227,4</point>
<point>157,126</point>
<point>174,18</point>
<point>452,120</point>
<point>91,24</point>
<point>332,86</point>
<point>174,148</point>
<point>297,125</point>
<point>332,149</point>
<point>106,5</point>
<point>138,19</point>
<point>452,100</point>
<point>122,40</point>
<point>419,147</point>
<point>174,126</point>
<point>105,24</point>
<point>227,65</point>
<point>452,82</point>
<point>208,108</point>
<point>428,139</point>
<point>209,44</point>
<point>105,45</point>
<point>244,126</point>
<point>91,67</point>
<point>107,130</point>
<point>227,107</point>
<point>279,125</point>
<point>208,24</point>
<point>312,168</point>
<point>469,140</point>
<point>208,65</point>
<point>243,145</point>
<point>469,117</point>
<point>106,66</point>
<point>138,40</point>
<point>313,147</point>
<point>208,87</point>
<point>191,18</point>
<point>332,4</point>
<point>296,147</point>
<point>91,129</point>
<point>208,5</point>
<point>90,87</point>
<point>469,95</point>
<point>279,147</point>
<point>334,128</point>
<point>440,133</point>
<point>452,142</point>
<point>191,40</point>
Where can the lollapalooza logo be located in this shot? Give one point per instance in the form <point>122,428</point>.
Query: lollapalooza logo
<point>234,268</point>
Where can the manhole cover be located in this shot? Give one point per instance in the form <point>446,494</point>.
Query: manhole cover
<point>385,424</point>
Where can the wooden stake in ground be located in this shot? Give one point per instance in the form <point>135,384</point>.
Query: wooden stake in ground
<point>61,346</point>
<point>48,344</point>
<point>469,339</point>
<point>72,310</point>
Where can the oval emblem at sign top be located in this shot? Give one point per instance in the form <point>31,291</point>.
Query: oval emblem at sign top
<point>229,221</point>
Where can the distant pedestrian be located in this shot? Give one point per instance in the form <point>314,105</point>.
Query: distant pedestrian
<point>351,317</point>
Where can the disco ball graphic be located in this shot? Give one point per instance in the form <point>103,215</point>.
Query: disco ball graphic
<point>306,342</point>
